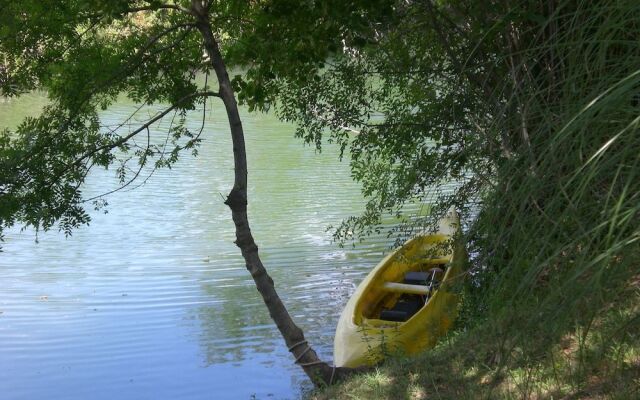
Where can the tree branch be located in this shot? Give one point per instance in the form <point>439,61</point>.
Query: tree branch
<point>130,181</point>
<point>305,356</point>
<point>156,7</point>
<point>156,118</point>
<point>133,10</point>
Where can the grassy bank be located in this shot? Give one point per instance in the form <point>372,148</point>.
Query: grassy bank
<point>602,362</point>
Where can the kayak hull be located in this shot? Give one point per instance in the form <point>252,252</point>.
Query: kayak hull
<point>364,338</point>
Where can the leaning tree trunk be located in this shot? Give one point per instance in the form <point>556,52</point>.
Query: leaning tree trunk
<point>319,371</point>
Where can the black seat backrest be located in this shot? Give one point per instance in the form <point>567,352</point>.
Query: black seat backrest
<point>394,315</point>
<point>416,278</point>
<point>404,309</point>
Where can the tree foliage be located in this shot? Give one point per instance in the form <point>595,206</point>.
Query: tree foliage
<point>409,93</point>
<point>529,108</point>
<point>85,55</point>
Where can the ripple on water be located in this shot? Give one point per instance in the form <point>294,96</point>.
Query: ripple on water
<point>152,300</point>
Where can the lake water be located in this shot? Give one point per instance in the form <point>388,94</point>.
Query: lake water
<point>152,300</point>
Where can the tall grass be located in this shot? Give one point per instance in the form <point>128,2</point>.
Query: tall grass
<point>558,238</point>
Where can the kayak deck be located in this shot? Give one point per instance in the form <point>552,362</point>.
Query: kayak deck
<point>387,286</point>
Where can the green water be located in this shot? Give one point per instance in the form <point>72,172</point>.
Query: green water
<point>152,300</point>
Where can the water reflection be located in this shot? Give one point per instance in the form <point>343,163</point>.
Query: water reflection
<point>152,300</point>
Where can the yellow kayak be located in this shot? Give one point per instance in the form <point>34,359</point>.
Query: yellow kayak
<point>406,303</point>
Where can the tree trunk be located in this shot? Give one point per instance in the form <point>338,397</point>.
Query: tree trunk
<point>319,371</point>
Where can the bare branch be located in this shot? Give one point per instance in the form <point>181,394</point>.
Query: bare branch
<point>146,125</point>
<point>156,7</point>
<point>133,10</point>
<point>130,181</point>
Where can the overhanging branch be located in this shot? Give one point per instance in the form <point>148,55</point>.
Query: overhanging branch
<point>146,125</point>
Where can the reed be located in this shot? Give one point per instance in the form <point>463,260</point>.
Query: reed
<point>558,236</point>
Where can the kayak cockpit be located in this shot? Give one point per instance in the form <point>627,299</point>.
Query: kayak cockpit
<point>398,300</point>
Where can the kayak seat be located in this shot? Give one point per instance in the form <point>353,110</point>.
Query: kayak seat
<point>415,282</point>
<point>404,309</point>
<point>416,278</point>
